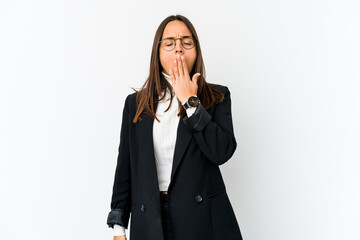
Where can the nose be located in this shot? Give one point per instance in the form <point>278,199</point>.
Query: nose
<point>178,47</point>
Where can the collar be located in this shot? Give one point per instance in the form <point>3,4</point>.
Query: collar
<point>167,77</point>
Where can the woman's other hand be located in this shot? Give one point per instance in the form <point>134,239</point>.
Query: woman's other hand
<point>120,237</point>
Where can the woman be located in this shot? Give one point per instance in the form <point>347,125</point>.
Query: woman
<point>167,174</point>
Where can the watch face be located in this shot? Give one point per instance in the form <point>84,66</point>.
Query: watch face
<point>194,101</point>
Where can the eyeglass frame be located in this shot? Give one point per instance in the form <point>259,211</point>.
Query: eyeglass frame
<point>181,40</point>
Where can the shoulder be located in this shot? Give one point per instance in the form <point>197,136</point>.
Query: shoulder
<point>221,88</point>
<point>131,98</point>
<point>130,102</point>
<point>221,92</point>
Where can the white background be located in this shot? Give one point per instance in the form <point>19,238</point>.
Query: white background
<point>292,67</point>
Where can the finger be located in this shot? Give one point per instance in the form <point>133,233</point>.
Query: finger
<point>176,72</point>
<point>181,70</point>
<point>186,71</point>
<point>195,78</point>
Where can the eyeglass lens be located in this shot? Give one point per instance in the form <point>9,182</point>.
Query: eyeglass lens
<point>169,44</point>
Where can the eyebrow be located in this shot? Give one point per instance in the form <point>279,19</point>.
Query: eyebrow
<point>181,37</point>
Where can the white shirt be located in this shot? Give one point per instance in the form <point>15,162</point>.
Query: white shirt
<point>164,138</point>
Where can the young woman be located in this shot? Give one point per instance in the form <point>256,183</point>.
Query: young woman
<point>176,131</point>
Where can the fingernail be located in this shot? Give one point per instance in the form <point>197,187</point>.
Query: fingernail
<point>182,57</point>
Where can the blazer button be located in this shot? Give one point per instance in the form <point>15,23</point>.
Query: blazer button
<point>142,208</point>
<point>198,198</point>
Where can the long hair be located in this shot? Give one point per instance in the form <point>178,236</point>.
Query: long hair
<point>156,85</point>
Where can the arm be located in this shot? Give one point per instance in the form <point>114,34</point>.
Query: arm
<point>214,134</point>
<point>121,195</point>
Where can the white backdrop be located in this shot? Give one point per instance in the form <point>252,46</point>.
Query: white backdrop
<point>293,71</point>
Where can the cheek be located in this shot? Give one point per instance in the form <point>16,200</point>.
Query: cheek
<point>191,61</point>
<point>165,61</point>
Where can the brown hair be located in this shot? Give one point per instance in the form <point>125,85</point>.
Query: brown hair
<point>156,82</point>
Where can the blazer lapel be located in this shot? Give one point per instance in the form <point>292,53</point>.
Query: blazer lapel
<point>145,136</point>
<point>182,141</point>
<point>146,149</point>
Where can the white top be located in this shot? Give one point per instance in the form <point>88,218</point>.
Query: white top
<point>164,138</point>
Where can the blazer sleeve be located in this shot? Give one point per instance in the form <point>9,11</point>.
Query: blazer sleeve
<point>214,134</point>
<point>121,192</point>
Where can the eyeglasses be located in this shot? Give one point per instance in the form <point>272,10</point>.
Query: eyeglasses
<point>168,44</point>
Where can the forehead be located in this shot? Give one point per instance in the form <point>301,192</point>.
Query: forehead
<point>176,29</point>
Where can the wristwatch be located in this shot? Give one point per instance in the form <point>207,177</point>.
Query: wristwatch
<point>193,101</point>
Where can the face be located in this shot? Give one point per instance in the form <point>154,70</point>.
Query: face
<point>176,29</point>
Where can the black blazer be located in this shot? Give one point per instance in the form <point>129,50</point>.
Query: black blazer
<point>200,208</point>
